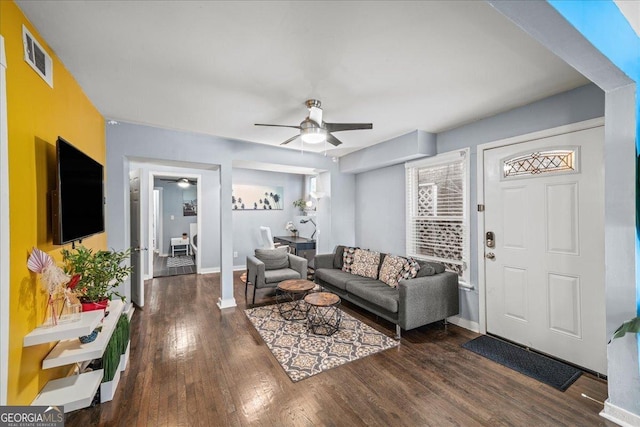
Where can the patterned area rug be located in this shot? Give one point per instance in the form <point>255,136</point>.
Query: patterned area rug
<point>302,354</point>
<point>179,261</point>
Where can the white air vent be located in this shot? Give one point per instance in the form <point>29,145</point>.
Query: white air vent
<point>37,57</point>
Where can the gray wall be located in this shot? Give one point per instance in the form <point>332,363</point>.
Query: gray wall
<point>128,142</point>
<point>381,226</point>
<point>246,224</point>
<point>172,197</point>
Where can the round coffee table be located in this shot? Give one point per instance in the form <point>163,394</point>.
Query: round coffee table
<point>324,314</point>
<point>290,298</point>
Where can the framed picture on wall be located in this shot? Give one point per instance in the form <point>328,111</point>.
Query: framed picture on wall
<point>257,197</point>
<point>189,202</point>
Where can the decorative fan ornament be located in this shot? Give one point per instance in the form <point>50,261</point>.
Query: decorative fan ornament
<point>39,260</point>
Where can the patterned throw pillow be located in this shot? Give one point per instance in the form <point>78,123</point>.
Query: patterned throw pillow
<point>409,269</point>
<point>347,258</point>
<point>391,267</point>
<point>366,263</point>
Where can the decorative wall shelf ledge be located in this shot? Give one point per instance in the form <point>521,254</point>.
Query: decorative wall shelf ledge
<point>74,392</point>
<point>71,351</point>
<point>88,322</point>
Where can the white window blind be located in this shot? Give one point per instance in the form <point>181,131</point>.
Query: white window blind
<point>437,210</point>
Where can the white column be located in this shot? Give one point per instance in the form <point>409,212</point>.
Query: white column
<point>226,239</point>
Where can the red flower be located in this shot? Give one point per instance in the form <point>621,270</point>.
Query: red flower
<point>73,282</point>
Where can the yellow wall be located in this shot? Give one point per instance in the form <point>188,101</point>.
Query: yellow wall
<point>37,114</point>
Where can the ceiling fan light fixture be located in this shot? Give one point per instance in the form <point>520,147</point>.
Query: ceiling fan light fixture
<point>313,135</point>
<point>183,183</point>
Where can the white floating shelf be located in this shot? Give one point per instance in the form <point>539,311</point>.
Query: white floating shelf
<point>89,320</point>
<point>74,392</point>
<point>73,351</point>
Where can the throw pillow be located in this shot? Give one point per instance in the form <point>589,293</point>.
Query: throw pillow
<point>365,263</point>
<point>274,259</point>
<point>338,256</point>
<point>426,270</point>
<point>409,269</point>
<point>347,258</point>
<point>391,267</point>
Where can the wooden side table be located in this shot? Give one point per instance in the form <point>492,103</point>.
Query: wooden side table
<point>290,298</point>
<point>324,314</point>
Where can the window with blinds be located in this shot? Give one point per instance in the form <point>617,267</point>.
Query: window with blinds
<point>437,210</point>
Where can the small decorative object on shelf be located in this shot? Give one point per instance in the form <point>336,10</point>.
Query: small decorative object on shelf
<point>100,272</point>
<point>184,235</point>
<point>62,306</point>
<point>86,339</point>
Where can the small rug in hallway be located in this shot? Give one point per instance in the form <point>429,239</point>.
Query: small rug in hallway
<point>303,354</point>
<point>179,261</point>
<point>534,365</point>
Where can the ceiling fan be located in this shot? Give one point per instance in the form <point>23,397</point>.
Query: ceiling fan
<point>314,131</point>
<point>182,182</point>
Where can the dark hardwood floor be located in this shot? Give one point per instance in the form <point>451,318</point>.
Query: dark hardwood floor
<point>192,364</point>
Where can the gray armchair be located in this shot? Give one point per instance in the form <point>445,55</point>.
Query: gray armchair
<point>271,266</point>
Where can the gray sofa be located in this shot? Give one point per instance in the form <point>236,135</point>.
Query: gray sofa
<point>271,266</point>
<point>415,302</point>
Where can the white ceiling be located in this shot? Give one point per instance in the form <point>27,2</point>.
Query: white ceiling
<point>218,67</point>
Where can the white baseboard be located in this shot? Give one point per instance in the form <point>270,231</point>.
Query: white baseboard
<point>464,323</point>
<point>227,303</point>
<point>239,267</point>
<point>210,270</point>
<point>147,277</point>
<point>619,416</point>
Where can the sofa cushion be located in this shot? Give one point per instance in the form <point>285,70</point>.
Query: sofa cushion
<point>425,269</point>
<point>276,276</point>
<point>273,259</point>
<point>347,258</point>
<point>375,292</point>
<point>409,269</point>
<point>366,263</point>
<point>437,266</point>
<point>391,267</point>
<point>335,277</point>
<point>337,257</point>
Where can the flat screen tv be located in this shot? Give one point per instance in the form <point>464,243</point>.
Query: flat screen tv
<point>78,201</point>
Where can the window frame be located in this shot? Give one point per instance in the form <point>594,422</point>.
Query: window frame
<point>411,189</point>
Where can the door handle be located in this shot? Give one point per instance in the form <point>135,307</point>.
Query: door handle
<point>490,256</point>
<point>139,249</point>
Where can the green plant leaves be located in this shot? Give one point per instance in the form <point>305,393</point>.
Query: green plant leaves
<point>630,326</point>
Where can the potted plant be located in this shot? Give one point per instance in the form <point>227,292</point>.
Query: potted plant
<point>100,274</point>
<point>630,326</point>
<point>300,204</point>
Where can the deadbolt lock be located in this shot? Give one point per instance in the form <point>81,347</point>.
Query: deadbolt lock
<point>490,239</point>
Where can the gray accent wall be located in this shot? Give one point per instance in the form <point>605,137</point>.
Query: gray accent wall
<point>246,224</point>
<point>380,226</point>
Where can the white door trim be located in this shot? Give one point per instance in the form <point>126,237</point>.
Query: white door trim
<point>195,176</point>
<point>4,230</point>
<point>573,127</point>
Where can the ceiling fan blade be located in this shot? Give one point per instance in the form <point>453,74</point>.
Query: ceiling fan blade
<point>278,126</point>
<point>290,139</point>
<point>337,127</point>
<point>333,140</point>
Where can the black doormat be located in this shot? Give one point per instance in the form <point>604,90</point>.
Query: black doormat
<point>542,368</point>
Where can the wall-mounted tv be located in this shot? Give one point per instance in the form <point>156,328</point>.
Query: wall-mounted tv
<point>78,201</point>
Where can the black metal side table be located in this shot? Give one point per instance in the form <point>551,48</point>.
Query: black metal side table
<point>324,314</point>
<point>290,296</point>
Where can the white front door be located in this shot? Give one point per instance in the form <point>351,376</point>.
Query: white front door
<point>544,204</point>
<point>137,276</point>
